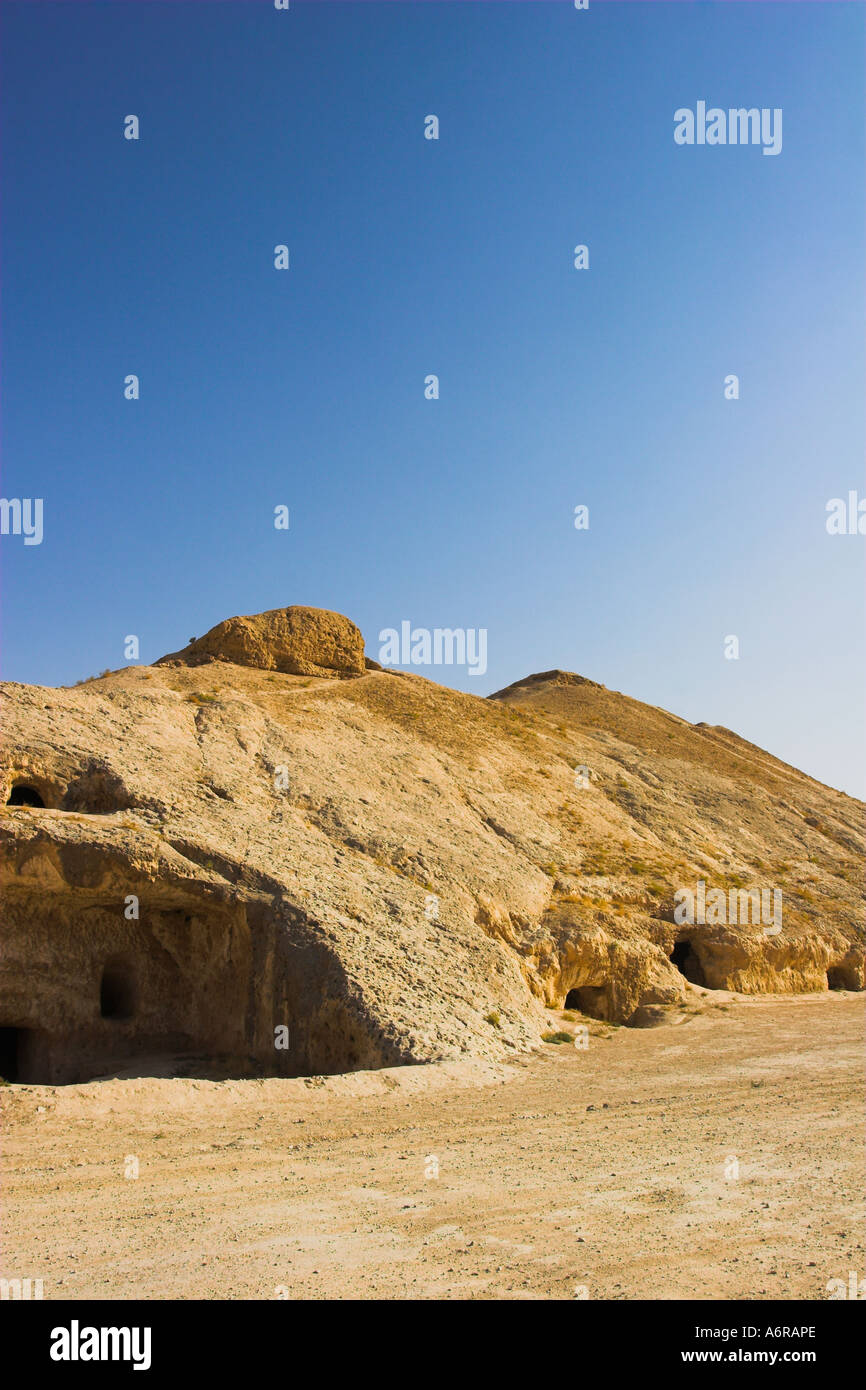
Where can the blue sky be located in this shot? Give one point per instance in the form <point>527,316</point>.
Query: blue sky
<point>411,257</point>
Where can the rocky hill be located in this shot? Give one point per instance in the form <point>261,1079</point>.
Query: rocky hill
<point>262,852</point>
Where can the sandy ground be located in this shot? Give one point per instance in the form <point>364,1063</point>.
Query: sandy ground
<point>603,1168</point>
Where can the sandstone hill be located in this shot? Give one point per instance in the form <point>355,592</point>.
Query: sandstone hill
<point>264,852</point>
<point>296,641</point>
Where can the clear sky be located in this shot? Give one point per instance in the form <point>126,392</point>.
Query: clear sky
<point>409,257</point>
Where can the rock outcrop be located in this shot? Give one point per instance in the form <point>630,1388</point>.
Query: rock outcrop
<point>233,856</point>
<point>296,641</point>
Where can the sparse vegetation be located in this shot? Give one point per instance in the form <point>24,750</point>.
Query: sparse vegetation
<point>87,679</point>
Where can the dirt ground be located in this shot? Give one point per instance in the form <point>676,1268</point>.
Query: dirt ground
<point>721,1158</point>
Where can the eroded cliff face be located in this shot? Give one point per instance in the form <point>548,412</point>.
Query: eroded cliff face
<point>236,866</point>
<point>113,953</point>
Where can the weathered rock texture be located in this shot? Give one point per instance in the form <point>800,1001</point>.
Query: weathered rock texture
<point>296,641</point>
<point>391,870</point>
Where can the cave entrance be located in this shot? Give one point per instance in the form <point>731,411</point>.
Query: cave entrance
<point>837,978</point>
<point>588,999</point>
<point>23,795</point>
<point>683,956</point>
<point>12,1045</point>
<point>117,993</point>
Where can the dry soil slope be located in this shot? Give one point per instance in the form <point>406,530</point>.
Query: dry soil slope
<point>697,802</point>
<point>432,853</point>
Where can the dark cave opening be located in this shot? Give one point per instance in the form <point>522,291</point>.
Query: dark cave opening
<point>12,1046</point>
<point>683,956</point>
<point>117,991</point>
<point>23,795</point>
<point>588,999</point>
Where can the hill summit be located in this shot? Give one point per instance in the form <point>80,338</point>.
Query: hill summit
<point>296,641</point>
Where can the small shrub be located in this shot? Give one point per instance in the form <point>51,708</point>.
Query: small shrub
<point>492,1017</point>
<point>87,679</point>
<point>560,1037</point>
